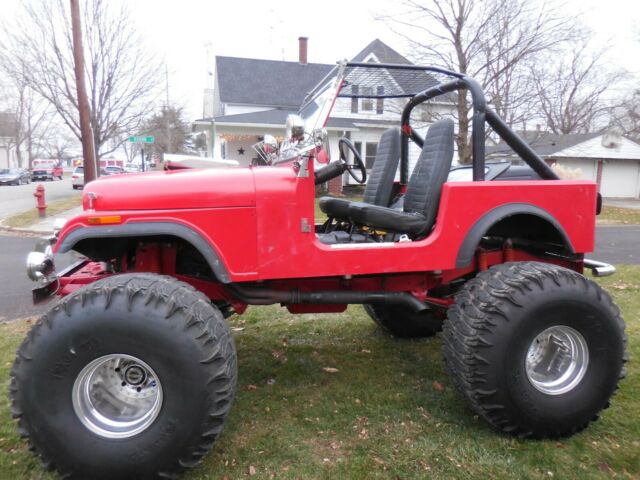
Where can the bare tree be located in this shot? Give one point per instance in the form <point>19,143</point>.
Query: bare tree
<point>490,40</point>
<point>29,118</point>
<point>629,119</point>
<point>570,91</point>
<point>121,76</point>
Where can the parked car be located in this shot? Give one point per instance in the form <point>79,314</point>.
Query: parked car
<point>14,176</point>
<point>77,178</point>
<point>112,170</point>
<point>131,168</point>
<point>46,170</point>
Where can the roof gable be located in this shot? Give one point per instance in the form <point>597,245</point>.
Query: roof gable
<point>383,52</point>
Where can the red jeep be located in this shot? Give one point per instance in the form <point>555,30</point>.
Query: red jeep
<point>132,371</point>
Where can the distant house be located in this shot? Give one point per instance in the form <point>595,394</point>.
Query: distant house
<point>8,154</point>
<point>248,98</point>
<point>609,159</point>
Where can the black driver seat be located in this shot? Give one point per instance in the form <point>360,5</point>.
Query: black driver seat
<point>379,188</point>
<point>423,190</point>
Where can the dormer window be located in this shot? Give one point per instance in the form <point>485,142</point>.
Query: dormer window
<point>367,104</point>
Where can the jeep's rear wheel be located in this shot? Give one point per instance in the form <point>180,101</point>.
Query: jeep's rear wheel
<point>130,377</point>
<point>404,323</point>
<point>536,349</point>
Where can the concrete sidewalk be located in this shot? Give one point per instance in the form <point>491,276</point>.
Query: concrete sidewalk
<point>622,202</point>
<point>45,226</point>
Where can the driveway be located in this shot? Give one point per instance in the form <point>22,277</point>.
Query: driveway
<point>623,203</point>
<point>617,244</point>
<point>15,294</point>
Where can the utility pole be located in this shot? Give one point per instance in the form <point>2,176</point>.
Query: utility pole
<point>88,147</point>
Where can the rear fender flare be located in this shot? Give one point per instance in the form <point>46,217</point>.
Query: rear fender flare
<point>467,250</point>
<point>150,229</point>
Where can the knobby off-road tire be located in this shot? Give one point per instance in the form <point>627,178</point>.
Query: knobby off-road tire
<point>508,338</point>
<point>402,322</point>
<point>180,344</point>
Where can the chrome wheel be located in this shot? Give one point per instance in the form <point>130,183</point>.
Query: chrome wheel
<point>557,360</point>
<point>117,396</point>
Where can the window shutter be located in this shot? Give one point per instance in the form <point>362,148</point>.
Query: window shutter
<point>354,101</point>
<point>380,102</point>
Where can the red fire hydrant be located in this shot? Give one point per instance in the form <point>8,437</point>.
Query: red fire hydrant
<point>40,203</point>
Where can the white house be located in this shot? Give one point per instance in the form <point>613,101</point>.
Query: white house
<point>609,159</point>
<point>249,98</point>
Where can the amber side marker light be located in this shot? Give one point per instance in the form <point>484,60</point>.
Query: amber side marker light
<point>106,220</point>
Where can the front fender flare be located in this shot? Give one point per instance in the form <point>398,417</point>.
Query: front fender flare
<point>475,234</point>
<point>146,229</point>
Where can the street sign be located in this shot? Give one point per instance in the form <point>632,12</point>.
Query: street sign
<point>140,139</point>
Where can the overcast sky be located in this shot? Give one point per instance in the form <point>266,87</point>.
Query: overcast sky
<point>179,31</point>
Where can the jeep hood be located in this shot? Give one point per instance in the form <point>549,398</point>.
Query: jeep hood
<point>171,190</point>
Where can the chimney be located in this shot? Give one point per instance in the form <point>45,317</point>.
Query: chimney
<point>302,50</point>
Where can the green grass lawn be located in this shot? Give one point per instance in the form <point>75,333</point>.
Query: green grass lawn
<point>618,216</point>
<point>28,218</point>
<point>386,411</point>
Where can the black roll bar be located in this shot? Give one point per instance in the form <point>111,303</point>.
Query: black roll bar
<point>481,114</point>
<point>519,146</point>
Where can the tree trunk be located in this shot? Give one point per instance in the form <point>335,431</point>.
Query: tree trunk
<point>464,149</point>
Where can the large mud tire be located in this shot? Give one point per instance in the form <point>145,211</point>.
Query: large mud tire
<point>508,340</point>
<point>403,323</point>
<point>166,325</point>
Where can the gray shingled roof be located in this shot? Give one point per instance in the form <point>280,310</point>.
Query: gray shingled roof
<point>278,117</point>
<point>544,143</point>
<point>267,82</point>
<point>268,117</point>
<point>382,51</point>
<point>409,81</point>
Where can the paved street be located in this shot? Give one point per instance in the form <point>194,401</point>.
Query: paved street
<point>15,294</point>
<point>16,199</point>
<point>618,244</point>
<point>614,244</point>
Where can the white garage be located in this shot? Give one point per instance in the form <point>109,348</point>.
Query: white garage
<point>620,178</point>
<point>609,159</point>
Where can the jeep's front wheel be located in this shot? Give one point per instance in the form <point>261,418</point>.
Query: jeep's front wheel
<point>536,349</point>
<point>130,377</point>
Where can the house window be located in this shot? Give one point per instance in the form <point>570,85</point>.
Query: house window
<point>370,154</point>
<point>367,105</point>
<point>358,146</point>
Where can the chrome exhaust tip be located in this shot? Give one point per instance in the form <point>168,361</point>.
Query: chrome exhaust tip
<point>599,269</point>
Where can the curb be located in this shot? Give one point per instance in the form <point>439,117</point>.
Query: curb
<point>22,231</point>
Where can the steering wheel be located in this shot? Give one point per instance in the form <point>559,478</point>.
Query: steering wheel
<point>344,145</point>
